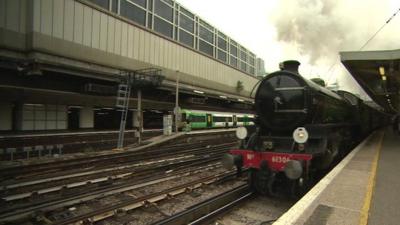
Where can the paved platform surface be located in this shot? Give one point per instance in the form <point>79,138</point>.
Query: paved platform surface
<point>385,205</point>
<point>363,189</point>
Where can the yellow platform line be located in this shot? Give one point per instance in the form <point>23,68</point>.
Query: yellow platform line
<point>371,184</point>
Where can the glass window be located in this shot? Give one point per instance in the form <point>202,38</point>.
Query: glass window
<point>163,27</point>
<point>243,55</point>
<point>169,2</point>
<point>206,34</point>
<point>114,6</point>
<point>151,5</point>
<point>221,55</point>
<point>150,20</point>
<point>163,10</point>
<point>252,70</point>
<point>222,119</point>
<point>185,38</point>
<point>197,119</point>
<point>205,47</point>
<point>140,2</point>
<point>186,23</point>
<point>233,61</point>
<point>252,60</point>
<point>233,50</point>
<point>221,43</point>
<point>187,13</point>
<point>133,12</point>
<point>243,66</point>
<point>221,35</point>
<point>102,3</point>
<point>205,24</point>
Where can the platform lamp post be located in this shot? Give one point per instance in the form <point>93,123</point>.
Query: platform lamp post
<point>177,110</point>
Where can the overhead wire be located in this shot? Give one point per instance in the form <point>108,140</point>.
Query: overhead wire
<point>367,42</point>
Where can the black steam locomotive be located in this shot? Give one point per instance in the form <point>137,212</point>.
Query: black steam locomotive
<point>302,129</point>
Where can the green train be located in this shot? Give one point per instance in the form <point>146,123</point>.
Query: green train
<point>196,119</point>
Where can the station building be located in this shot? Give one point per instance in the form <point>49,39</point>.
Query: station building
<point>61,62</point>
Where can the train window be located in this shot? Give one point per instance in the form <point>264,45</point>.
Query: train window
<point>243,119</point>
<point>197,119</point>
<point>222,119</point>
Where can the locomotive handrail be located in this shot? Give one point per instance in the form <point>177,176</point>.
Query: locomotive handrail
<point>289,88</point>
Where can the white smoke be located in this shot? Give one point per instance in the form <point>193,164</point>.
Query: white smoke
<point>320,29</point>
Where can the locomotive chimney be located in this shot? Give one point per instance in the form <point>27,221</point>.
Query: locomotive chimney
<point>290,65</point>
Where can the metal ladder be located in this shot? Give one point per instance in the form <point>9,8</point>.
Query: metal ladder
<point>123,93</point>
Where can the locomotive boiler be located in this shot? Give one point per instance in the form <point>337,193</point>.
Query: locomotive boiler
<point>302,128</point>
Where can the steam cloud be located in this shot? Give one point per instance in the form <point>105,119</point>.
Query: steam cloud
<point>322,28</point>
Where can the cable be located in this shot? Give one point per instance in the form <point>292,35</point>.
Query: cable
<point>370,39</point>
<point>376,33</point>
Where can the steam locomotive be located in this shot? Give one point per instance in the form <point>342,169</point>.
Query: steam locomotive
<point>302,129</point>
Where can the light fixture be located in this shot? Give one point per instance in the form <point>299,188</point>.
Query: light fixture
<point>223,96</point>
<point>382,71</point>
<point>33,104</point>
<point>75,106</point>
<point>198,92</point>
<point>240,100</point>
<point>383,77</point>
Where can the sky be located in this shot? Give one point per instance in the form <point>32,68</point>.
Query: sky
<point>310,31</point>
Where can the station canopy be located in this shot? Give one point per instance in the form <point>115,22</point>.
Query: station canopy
<point>378,73</point>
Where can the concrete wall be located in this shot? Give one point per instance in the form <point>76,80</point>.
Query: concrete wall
<point>6,116</point>
<point>72,29</point>
<point>41,117</point>
<point>86,117</point>
<point>13,23</point>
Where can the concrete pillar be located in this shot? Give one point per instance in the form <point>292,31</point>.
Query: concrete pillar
<point>5,116</point>
<point>135,119</point>
<point>86,117</point>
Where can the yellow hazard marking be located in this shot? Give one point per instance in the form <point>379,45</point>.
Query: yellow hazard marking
<point>371,185</point>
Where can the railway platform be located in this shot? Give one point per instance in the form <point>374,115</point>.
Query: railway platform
<point>361,189</point>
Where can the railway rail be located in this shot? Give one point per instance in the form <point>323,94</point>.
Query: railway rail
<point>208,209</point>
<point>28,212</point>
<point>19,172</point>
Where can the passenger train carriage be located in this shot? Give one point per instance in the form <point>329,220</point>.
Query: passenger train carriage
<point>197,119</point>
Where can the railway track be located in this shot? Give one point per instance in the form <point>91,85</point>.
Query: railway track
<point>25,197</point>
<point>20,172</point>
<point>116,171</point>
<point>25,213</point>
<point>208,209</point>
